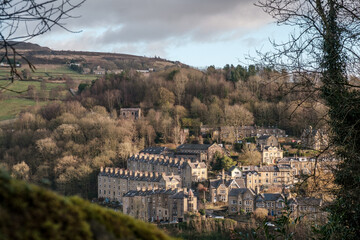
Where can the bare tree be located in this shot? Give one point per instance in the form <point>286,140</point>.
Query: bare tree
<point>325,44</point>
<point>23,20</point>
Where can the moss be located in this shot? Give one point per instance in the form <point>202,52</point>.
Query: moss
<point>30,212</point>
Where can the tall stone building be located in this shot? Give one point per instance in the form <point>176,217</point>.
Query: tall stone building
<point>160,204</point>
<point>113,183</point>
<point>188,171</point>
<point>274,175</point>
<point>130,113</point>
<point>201,152</point>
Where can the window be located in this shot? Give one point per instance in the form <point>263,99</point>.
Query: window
<point>239,202</point>
<point>275,174</point>
<point>234,201</point>
<point>99,191</point>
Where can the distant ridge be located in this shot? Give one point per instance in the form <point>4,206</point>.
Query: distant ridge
<point>37,54</point>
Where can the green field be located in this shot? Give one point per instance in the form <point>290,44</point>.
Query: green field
<point>50,72</point>
<point>13,103</point>
<point>10,108</point>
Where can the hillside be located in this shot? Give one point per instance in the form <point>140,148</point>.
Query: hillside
<point>110,61</point>
<point>30,212</point>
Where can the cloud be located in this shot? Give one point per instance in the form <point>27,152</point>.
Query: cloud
<point>155,26</point>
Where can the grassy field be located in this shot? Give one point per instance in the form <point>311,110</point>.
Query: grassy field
<point>50,72</point>
<point>10,108</point>
<point>12,102</point>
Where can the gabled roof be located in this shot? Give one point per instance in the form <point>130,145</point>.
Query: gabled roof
<point>309,201</point>
<point>269,197</point>
<point>236,191</point>
<point>233,168</point>
<point>263,137</point>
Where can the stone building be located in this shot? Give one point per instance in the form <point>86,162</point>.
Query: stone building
<point>308,207</point>
<point>273,202</point>
<point>160,204</point>
<point>202,152</point>
<point>130,113</point>
<point>270,155</point>
<point>264,176</point>
<point>113,183</point>
<point>244,200</point>
<point>227,133</point>
<point>241,200</point>
<point>220,188</point>
<point>267,140</point>
<point>188,171</point>
<point>316,139</point>
<point>301,165</point>
<point>156,151</point>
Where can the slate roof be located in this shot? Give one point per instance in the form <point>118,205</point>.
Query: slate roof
<point>236,191</point>
<point>232,168</point>
<point>133,193</point>
<point>196,147</point>
<point>263,137</point>
<point>269,197</point>
<point>154,150</point>
<point>216,183</point>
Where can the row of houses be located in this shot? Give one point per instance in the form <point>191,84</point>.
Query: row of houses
<point>245,200</point>
<point>113,183</point>
<point>228,133</point>
<point>160,204</point>
<point>188,171</point>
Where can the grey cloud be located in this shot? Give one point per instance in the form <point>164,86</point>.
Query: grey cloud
<point>129,21</point>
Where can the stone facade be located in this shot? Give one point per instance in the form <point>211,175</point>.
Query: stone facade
<point>244,200</point>
<point>160,204</point>
<point>201,152</point>
<point>316,139</point>
<point>220,188</point>
<point>130,113</point>
<point>189,171</point>
<point>268,140</point>
<point>273,202</point>
<point>270,155</point>
<point>113,183</point>
<point>226,133</point>
<point>241,200</point>
<point>275,175</point>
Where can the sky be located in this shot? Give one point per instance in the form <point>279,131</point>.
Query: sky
<point>199,33</point>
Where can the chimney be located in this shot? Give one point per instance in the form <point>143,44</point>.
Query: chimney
<point>257,190</point>
<point>116,170</point>
<point>107,170</point>
<point>151,174</point>
<point>111,170</point>
<point>121,171</point>
<point>101,169</point>
<point>156,174</point>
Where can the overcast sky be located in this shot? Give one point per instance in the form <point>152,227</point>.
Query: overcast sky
<point>196,32</point>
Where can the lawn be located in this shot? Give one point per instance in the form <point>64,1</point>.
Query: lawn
<point>22,86</point>
<point>50,71</point>
<point>10,108</point>
<point>13,102</point>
